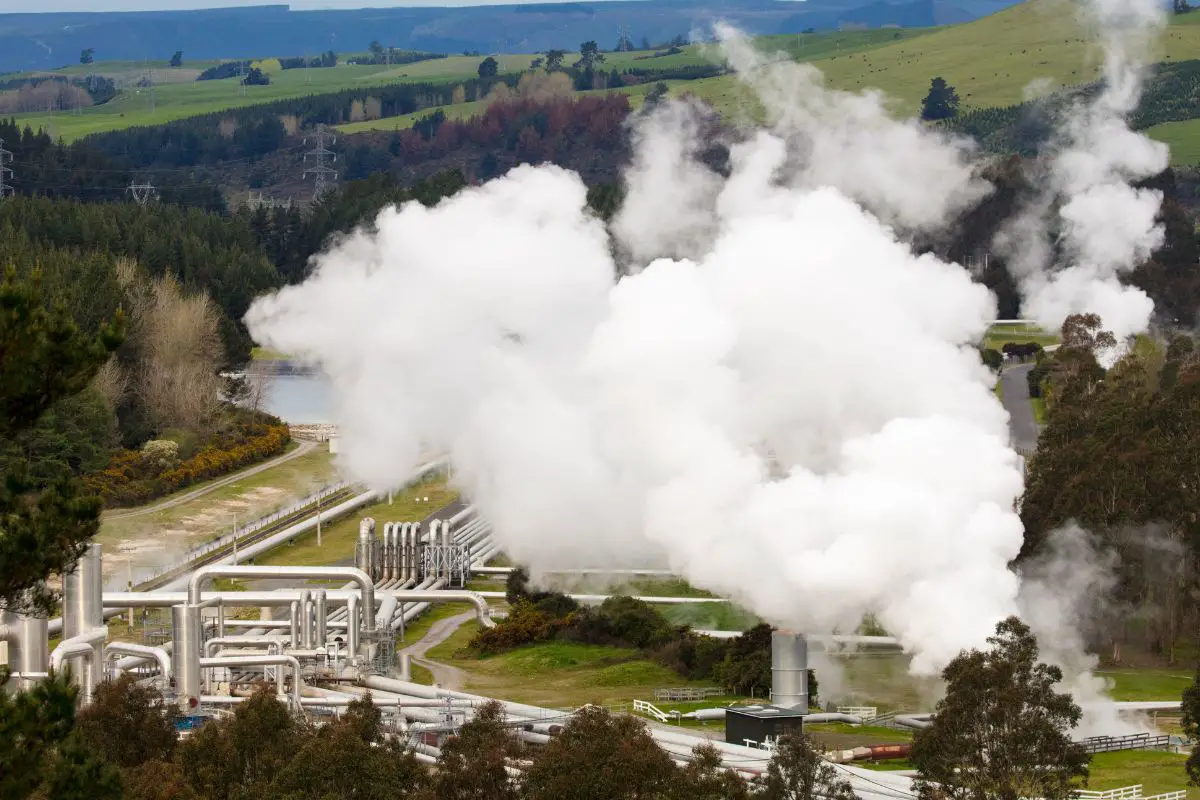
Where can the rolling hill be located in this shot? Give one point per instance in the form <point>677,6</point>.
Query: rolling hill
<point>47,41</point>
<point>991,61</point>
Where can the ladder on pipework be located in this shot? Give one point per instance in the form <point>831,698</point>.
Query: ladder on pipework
<point>385,651</point>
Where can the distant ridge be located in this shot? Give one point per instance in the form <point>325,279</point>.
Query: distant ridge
<point>47,41</point>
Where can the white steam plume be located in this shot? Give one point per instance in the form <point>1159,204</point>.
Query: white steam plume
<point>594,421</point>
<point>1105,226</point>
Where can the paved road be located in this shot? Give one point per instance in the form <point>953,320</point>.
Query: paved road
<point>304,447</point>
<point>1015,388</point>
<point>444,675</point>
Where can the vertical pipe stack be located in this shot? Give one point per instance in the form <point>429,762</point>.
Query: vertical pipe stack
<point>28,650</point>
<point>320,606</point>
<point>306,619</point>
<point>294,624</point>
<point>185,620</point>
<point>789,670</point>
<point>83,612</point>
<point>388,552</point>
<point>447,538</point>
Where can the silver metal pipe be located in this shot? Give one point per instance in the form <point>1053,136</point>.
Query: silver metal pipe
<point>447,540</point>
<point>84,646</point>
<point>789,670</point>
<point>365,583</point>
<point>130,649</point>
<point>306,620</point>
<point>294,620</point>
<point>268,624</point>
<point>185,621</point>
<point>352,630</point>
<point>285,597</point>
<point>233,642</point>
<point>405,552</point>
<point>385,573</point>
<point>321,611</point>
<point>405,666</point>
<point>28,650</point>
<point>262,661</point>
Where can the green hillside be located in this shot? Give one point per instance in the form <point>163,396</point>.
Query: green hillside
<point>1182,137</point>
<point>990,60</point>
<point>178,95</point>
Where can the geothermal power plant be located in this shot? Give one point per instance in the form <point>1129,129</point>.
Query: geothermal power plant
<point>322,648</point>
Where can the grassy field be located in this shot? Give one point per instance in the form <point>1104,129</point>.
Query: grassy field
<point>338,538</point>
<point>151,539</point>
<point>1002,334</point>
<point>177,95</point>
<point>1147,684</point>
<point>1182,137</point>
<point>990,61</point>
<point>557,674</point>
<point>1157,772</point>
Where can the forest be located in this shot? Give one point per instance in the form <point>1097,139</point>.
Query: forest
<point>1119,456</point>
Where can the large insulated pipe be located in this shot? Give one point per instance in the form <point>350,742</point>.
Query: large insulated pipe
<point>294,624</point>
<point>353,628</point>
<point>28,650</point>
<point>306,615</point>
<point>285,597</point>
<point>185,646</point>
<point>83,610</point>
<point>362,549</point>
<point>386,572</point>
<point>85,646</point>
<point>261,661</point>
<point>159,655</point>
<point>447,539</point>
<point>321,611</point>
<point>789,670</point>
<point>406,567</point>
<point>362,578</point>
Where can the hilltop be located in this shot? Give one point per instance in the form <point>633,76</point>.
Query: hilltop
<point>48,41</point>
<point>991,61</point>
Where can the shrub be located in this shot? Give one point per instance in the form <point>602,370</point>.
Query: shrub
<point>133,477</point>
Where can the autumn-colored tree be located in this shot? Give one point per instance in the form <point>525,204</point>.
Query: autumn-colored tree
<point>1002,731</point>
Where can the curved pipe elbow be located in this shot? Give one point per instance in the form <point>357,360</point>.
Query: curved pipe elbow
<point>129,649</point>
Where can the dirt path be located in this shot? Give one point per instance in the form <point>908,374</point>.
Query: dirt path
<point>302,449</point>
<point>444,675</point>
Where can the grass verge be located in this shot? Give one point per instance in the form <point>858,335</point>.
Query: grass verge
<point>339,537</point>
<point>1156,771</point>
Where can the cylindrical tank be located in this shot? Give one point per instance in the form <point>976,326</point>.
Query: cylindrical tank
<point>789,670</point>
<point>294,625</point>
<point>28,650</point>
<point>83,604</point>
<point>306,616</point>
<point>185,656</point>
<point>320,609</point>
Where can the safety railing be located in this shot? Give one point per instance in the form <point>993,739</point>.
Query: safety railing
<point>650,710</point>
<point>687,694</point>
<point>1134,741</point>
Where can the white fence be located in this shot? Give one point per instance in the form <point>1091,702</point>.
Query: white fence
<point>650,710</point>
<point>687,694</point>
<point>241,533</point>
<point>865,713</point>
<point>1128,793</point>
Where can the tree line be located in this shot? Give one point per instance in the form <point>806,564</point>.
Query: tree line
<point>1119,456</point>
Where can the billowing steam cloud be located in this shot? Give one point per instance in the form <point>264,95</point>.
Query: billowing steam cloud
<point>1105,226</point>
<point>778,399</point>
<point>797,418</point>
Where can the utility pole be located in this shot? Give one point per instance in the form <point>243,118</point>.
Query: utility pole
<point>318,518</point>
<point>6,173</point>
<point>322,174</point>
<point>142,193</point>
<point>242,73</point>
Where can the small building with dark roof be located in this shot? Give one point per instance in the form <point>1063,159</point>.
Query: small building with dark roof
<point>755,724</point>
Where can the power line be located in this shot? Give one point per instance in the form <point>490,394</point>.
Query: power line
<point>322,174</point>
<point>6,173</point>
<point>142,193</point>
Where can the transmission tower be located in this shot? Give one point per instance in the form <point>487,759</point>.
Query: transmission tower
<point>6,173</point>
<point>142,193</point>
<point>322,173</point>
<point>242,73</point>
